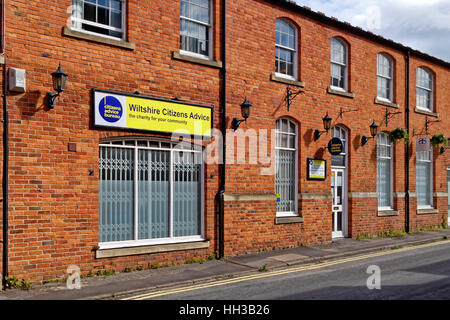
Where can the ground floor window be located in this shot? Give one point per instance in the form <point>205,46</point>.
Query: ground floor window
<point>424,178</point>
<point>150,191</point>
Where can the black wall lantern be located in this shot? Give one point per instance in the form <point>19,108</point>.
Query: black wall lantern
<point>326,125</point>
<point>373,133</point>
<point>245,111</point>
<point>59,84</point>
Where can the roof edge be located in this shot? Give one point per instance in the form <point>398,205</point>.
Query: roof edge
<point>321,17</point>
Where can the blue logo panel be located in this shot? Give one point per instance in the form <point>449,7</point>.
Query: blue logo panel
<point>110,109</point>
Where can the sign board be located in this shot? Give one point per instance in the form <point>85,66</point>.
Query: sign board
<point>423,144</point>
<point>317,169</point>
<point>336,146</point>
<point>119,110</point>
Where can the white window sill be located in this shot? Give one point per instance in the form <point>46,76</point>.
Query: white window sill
<point>84,35</point>
<point>288,219</point>
<point>426,210</point>
<point>198,59</point>
<point>387,212</point>
<point>109,251</point>
<point>277,77</point>
<point>427,112</point>
<point>340,92</point>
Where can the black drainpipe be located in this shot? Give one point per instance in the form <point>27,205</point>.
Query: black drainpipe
<point>407,196</point>
<point>5,157</point>
<point>220,195</point>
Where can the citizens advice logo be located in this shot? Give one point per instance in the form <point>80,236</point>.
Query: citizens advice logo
<point>110,109</point>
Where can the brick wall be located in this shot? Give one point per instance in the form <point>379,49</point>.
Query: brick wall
<point>54,199</point>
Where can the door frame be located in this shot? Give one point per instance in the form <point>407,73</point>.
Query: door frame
<point>345,220</point>
<point>343,233</point>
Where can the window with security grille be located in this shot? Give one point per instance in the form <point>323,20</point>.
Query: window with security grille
<point>100,17</point>
<point>424,178</point>
<point>195,27</point>
<point>286,167</point>
<point>385,68</point>
<point>384,171</point>
<point>285,52</point>
<point>150,192</point>
<point>339,57</point>
<point>424,99</point>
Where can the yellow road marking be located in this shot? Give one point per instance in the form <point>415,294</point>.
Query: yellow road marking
<point>277,273</point>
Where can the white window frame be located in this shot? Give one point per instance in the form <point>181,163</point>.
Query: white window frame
<point>389,77</point>
<point>75,20</point>
<point>345,65</point>
<point>295,213</point>
<point>390,145</point>
<point>210,34</point>
<point>113,142</point>
<point>294,50</point>
<point>430,108</point>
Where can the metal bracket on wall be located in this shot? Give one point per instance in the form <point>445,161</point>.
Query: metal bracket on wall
<point>291,95</point>
<point>428,124</point>
<point>389,115</point>
<point>342,111</point>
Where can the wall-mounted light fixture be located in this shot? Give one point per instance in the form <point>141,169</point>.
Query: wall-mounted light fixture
<point>245,111</point>
<point>59,84</point>
<point>326,125</point>
<point>373,133</point>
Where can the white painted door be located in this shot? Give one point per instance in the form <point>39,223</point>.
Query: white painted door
<point>338,208</point>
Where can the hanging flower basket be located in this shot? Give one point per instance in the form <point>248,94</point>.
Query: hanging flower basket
<point>398,134</point>
<point>438,139</point>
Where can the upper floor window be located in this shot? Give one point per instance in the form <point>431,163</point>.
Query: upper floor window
<point>385,72</point>
<point>195,27</point>
<point>339,61</point>
<point>100,17</point>
<point>286,167</point>
<point>425,87</point>
<point>285,49</point>
<point>384,171</point>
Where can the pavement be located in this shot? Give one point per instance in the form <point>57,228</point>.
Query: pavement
<point>133,283</point>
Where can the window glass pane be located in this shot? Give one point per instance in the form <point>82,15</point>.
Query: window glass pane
<point>116,19</point>
<point>116,194</point>
<point>186,193</point>
<point>285,180</point>
<point>90,12</point>
<point>103,15</point>
<point>153,194</point>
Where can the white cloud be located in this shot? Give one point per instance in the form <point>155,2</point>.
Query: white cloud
<point>421,24</point>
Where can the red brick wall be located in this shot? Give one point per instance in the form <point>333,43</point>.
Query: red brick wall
<point>54,200</point>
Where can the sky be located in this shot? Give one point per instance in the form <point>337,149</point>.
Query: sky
<point>423,25</point>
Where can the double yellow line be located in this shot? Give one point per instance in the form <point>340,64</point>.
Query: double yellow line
<point>276,273</point>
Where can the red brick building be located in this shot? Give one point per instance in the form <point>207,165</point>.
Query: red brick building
<point>86,190</point>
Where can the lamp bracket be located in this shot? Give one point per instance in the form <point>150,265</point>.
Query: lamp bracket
<point>236,123</point>
<point>51,99</point>
<point>291,95</point>
<point>428,124</point>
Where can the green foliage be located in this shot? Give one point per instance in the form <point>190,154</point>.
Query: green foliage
<point>263,268</point>
<point>25,285</point>
<point>128,270</point>
<point>140,268</point>
<point>212,256</point>
<point>398,134</point>
<point>438,139</point>
<point>105,273</point>
<point>194,260</point>
<point>155,265</point>
<point>12,282</point>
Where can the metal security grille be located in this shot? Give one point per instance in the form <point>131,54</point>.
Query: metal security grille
<point>116,194</point>
<point>186,191</point>
<point>156,198</point>
<point>285,177</point>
